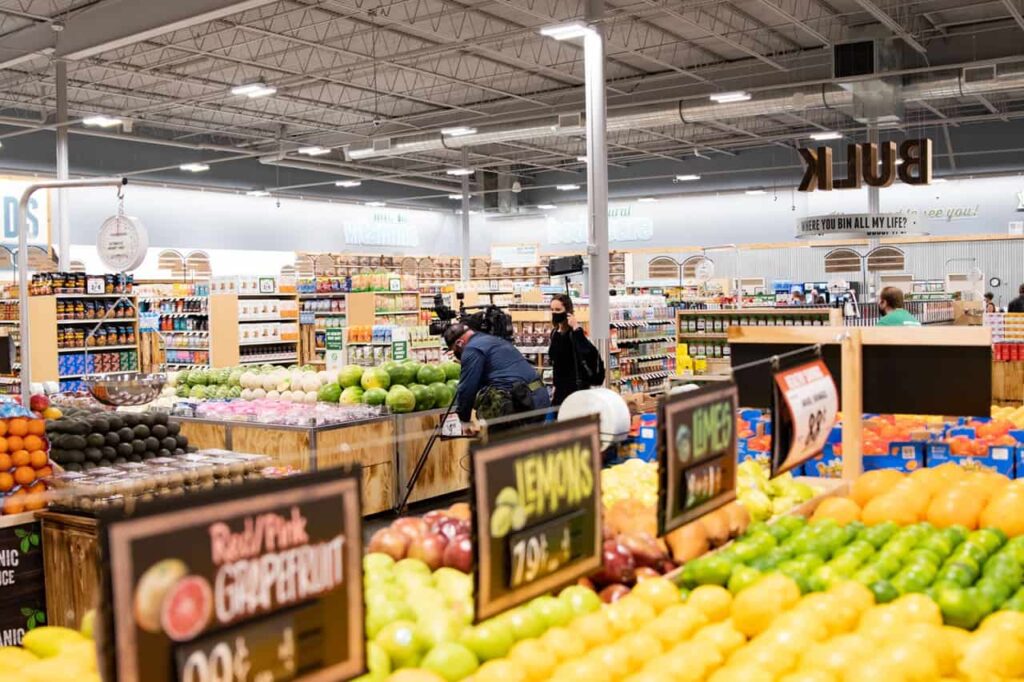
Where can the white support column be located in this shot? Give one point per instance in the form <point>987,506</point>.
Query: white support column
<point>62,239</point>
<point>597,178</point>
<point>873,191</point>
<point>465,220</point>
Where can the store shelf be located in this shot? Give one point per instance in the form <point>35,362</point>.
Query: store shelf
<point>703,335</point>
<point>195,314</point>
<point>172,298</point>
<point>193,332</point>
<point>644,340</point>
<point>10,322</point>
<point>96,374</point>
<point>397,312</point>
<point>66,296</point>
<point>107,320</point>
<point>267,319</point>
<point>264,343</point>
<point>655,356</point>
<point>97,349</point>
<point>389,293</point>
<point>646,376</point>
<point>325,294</point>
<point>276,294</point>
<point>639,323</point>
<point>270,360</point>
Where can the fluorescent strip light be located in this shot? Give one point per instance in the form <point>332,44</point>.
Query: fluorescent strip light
<point>253,90</point>
<point>581,159</point>
<point>347,183</point>
<point>315,150</point>
<point>646,200</point>
<point>194,167</point>
<point>458,131</point>
<point>455,197</point>
<point>568,31</point>
<point>687,178</point>
<point>459,171</point>
<point>730,97</point>
<point>566,188</point>
<point>826,135</point>
<point>257,193</point>
<point>756,192</point>
<point>546,207</point>
<point>375,204</point>
<point>100,121</point>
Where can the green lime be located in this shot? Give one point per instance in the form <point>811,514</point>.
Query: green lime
<point>791,523</point>
<point>924,554</point>
<point>905,585</point>
<point>758,527</point>
<point>990,539</point>
<point>956,534</point>
<point>1016,602</point>
<point>1005,568</point>
<point>743,577</point>
<point>708,570</point>
<point>823,578</point>
<point>878,535</point>
<point>938,544</point>
<point>970,550</point>
<point>884,591</point>
<point>920,574</point>
<point>1014,549</point>
<point>957,573</point>
<point>981,601</point>
<point>887,566</point>
<point>993,590</point>
<point>810,562</point>
<point>958,608</point>
<point>867,576</point>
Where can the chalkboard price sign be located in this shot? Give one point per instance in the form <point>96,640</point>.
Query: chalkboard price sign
<point>536,513</point>
<point>22,589</point>
<point>254,583</point>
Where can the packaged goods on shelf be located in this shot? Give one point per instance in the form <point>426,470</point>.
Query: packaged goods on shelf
<point>324,285</point>
<point>1007,336</point>
<point>50,283</point>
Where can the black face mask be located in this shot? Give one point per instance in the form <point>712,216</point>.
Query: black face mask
<point>881,311</point>
<point>559,318</point>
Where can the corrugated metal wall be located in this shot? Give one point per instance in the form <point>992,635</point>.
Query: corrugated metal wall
<point>1003,259</point>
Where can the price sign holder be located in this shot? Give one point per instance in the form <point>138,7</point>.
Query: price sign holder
<point>260,581</point>
<point>805,402</point>
<point>22,587</point>
<point>696,454</point>
<point>536,498</point>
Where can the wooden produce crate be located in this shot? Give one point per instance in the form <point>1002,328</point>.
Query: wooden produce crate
<point>1008,382</point>
<point>447,467</point>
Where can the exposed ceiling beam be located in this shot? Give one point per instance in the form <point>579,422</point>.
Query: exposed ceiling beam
<point>949,148</point>
<point>113,24</point>
<point>883,17</point>
<point>1015,12</point>
<point>803,26</point>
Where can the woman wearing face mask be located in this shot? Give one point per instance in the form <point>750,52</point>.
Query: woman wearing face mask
<point>575,362</point>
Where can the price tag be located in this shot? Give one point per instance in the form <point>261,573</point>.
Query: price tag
<point>536,512</point>
<point>394,284</point>
<point>254,583</point>
<point>95,285</point>
<point>805,404</point>
<point>451,427</point>
<point>696,454</point>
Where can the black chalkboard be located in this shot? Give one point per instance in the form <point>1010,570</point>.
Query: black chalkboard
<point>22,588</point>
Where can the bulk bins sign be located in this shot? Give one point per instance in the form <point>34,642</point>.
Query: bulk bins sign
<point>38,212</point>
<point>382,228</point>
<point>258,582</point>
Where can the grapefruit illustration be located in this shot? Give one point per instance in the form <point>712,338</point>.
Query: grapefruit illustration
<point>151,589</point>
<point>187,608</point>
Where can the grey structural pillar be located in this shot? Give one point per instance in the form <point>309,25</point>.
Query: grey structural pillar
<point>465,219</point>
<point>597,177</point>
<point>63,221</point>
<point>873,191</point>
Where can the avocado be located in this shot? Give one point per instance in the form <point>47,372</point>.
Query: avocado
<point>146,419</point>
<point>130,419</point>
<point>56,425</point>
<point>158,430</point>
<point>149,454</point>
<point>93,455</point>
<point>89,466</point>
<point>58,455</point>
<point>73,466</point>
<point>169,443</point>
<point>141,431</point>
<point>178,452</point>
<point>115,421</point>
<point>99,424</point>
<point>74,456</point>
<point>80,427</point>
<point>125,434</point>
<point>135,458</point>
<point>120,460</point>
<point>160,418</point>
<point>108,452</point>
<point>73,442</point>
<point>182,441</point>
<point>138,446</point>
<point>124,449</point>
<point>152,444</point>
<point>163,452</point>
<point>173,428</point>
<point>111,439</point>
<point>95,440</point>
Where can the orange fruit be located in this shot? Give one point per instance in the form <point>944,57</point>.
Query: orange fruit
<point>888,508</point>
<point>1005,512</point>
<point>37,459</point>
<point>36,498</point>
<point>14,504</point>
<point>20,458</point>
<point>44,472</point>
<point>37,427</point>
<point>842,510</point>
<point>17,426</point>
<point>6,482</point>
<point>871,484</point>
<point>3,443</point>
<point>914,495</point>
<point>5,461</point>
<point>31,443</point>
<point>3,427</point>
<point>15,443</point>
<point>955,507</point>
<point>24,475</point>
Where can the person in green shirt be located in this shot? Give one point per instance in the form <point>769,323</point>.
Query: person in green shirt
<point>890,305</point>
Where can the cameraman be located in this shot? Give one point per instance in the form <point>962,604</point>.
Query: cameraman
<point>496,379</point>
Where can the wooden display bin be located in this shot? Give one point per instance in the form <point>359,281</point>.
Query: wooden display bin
<point>369,443</point>
<point>447,467</point>
<point>71,564</point>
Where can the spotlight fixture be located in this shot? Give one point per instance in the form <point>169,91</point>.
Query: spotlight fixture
<point>257,193</point>
<point>581,159</point>
<point>730,97</point>
<point>375,204</point>
<point>455,197</point>
<point>546,207</point>
<point>826,135</point>
<point>646,200</point>
<point>458,131</point>
<point>194,167</point>
<point>756,192</point>
<point>253,90</point>
<point>687,178</point>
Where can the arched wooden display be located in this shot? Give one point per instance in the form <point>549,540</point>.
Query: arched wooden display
<point>690,266</point>
<point>842,260</point>
<point>886,259</point>
<point>197,265</point>
<point>664,267</point>
<point>172,261</point>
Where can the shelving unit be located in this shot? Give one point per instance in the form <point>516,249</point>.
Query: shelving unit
<point>183,320</point>
<point>642,344</point>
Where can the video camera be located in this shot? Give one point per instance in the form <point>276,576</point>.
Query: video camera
<point>489,319</point>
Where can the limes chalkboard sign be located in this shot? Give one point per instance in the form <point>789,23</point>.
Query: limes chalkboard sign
<point>260,581</point>
<point>697,454</point>
<point>536,512</point>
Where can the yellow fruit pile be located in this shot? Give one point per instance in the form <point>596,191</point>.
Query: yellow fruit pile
<point>1015,415</point>
<point>50,654</point>
<point>944,496</point>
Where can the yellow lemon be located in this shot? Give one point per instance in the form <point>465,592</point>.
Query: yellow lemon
<point>915,662</point>
<point>724,637</point>
<point>593,628</point>
<point>714,601</point>
<point>660,593</point>
<point>918,608</point>
<point>854,594</point>
<point>535,659</point>
<point>676,624</point>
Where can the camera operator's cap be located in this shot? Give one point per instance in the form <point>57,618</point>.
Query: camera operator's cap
<point>453,333</point>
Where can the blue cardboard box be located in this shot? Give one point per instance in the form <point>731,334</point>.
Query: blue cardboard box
<point>904,456</point>
<point>826,465</point>
<point>1000,458</point>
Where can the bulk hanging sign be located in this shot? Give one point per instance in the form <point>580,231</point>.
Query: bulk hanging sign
<point>874,165</point>
<point>22,588</point>
<point>516,255</point>
<point>536,513</point>
<point>857,225</point>
<point>697,454</point>
<point>804,407</point>
<point>261,582</point>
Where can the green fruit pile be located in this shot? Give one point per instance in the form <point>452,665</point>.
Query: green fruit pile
<point>969,574</point>
<point>407,386</point>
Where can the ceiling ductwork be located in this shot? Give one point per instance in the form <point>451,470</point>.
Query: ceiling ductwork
<point>975,81</point>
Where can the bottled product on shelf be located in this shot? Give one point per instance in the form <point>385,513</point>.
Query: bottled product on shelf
<point>1007,336</point>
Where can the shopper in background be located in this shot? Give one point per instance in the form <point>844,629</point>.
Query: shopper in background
<point>496,380</point>
<point>796,296</point>
<point>990,304</point>
<point>575,362</point>
<point>1017,304</point>
<point>890,306</point>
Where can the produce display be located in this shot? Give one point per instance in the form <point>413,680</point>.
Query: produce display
<point>52,654</point>
<point>764,497</point>
<point>406,386</point>
<point>440,539</point>
<point>25,465</point>
<point>265,411</point>
<point>86,438</point>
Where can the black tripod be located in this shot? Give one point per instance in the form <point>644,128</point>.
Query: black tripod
<point>402,506</point>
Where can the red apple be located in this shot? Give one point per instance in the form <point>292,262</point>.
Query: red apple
<point>460,510</point>
<point>412,526</point>
<point>389,541</point>
<point>459,554</point>
<point>587,583</point>
<point>618,565</point>
<point>429,549</point>
<point>452,527</point>
<point>38,403</point>
<point>613,593</point>
<point>434,518</point>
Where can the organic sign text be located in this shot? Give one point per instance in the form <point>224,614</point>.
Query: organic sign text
<point>22,589</point>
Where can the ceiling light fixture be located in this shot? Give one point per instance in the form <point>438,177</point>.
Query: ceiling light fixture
<point>194,167</point>
<point>257,193</point>
<point>730,97</point>
<point>581,159</point>
<point>458,131</point>
<point>315,150</point>
<point>460,171</point>
<point>566,188</point>
<point>646,200</point>
<point>567,31</point>
<point>455,197</point>
<point>826,135</point>
<point>253,90</point>
<point>100,121</point>
<point>375,204</point>
<point>756,192</point>
<point>687,178</point>
<point>347,183</point>
<point>546,207</point>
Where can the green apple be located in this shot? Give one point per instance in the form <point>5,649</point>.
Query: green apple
<point>490,639</point>
<point>377,562</point>
<point>382,614</point>
<point>580,600</point>
<point>551,610</point>
<point>437,627</point>
<point>377,660</point>
<point>450,660</point>
<point>401,643</point>
<point>412,566</point>
<point>525,623</point>
<point>453,583</point>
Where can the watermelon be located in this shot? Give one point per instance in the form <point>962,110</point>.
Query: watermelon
<point>453,384</point>
<point>235,378</point>
<point>197,377</point>
<point>182,391</point>
<point>353,395</point>
<point>329,393</point>
<point>375,396</point>
<point>350,375</point>
<point>401,374</point>
<point>197,392</point>
<point>424,398</point>
<point>375,377</point>
<point>451,370</point>
<point>429,374</point>
<point>441,393</point>
<point>400,400</point>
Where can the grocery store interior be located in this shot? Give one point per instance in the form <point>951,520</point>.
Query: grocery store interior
<point>512,340</point>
